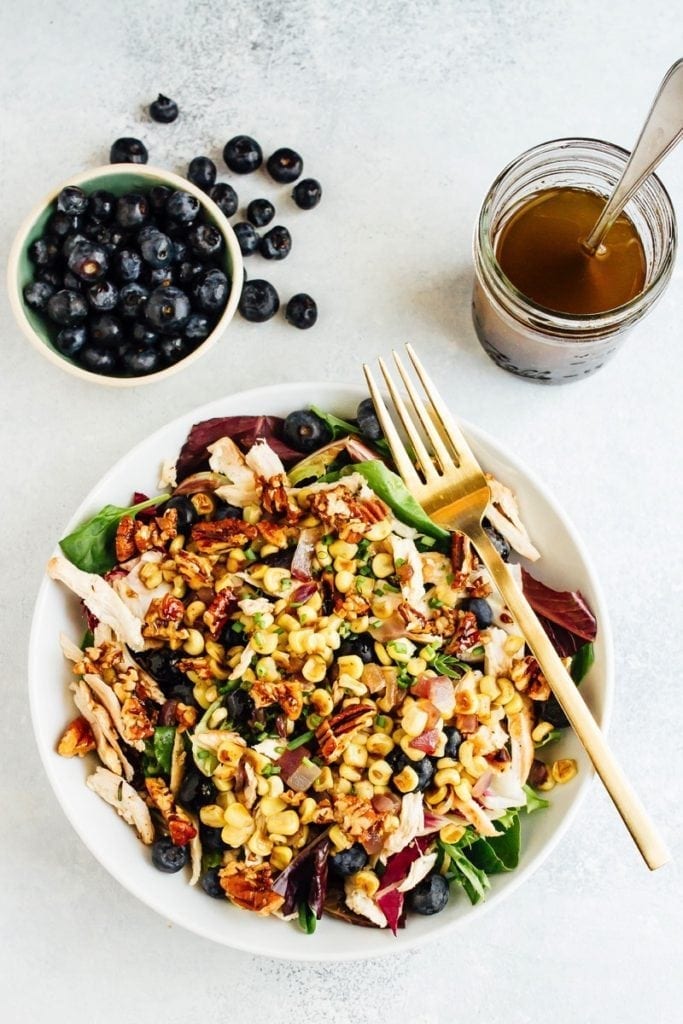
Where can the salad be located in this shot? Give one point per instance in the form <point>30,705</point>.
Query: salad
<point>299,689</point>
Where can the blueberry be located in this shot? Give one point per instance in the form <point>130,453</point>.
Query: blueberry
<point>98,360</point>
<point>198,327</point>
<point>44,252</point>
<point>307,193</point>
<point>348,862</point>
<point>51,276</point>
<point>72,283</point>
<point>140,360</point>
<point>229,635</point>
<point>186,513</point>
<point>276,244</point>
<point>166,856</point>
<point>453,741</point>
<point>148,230</point>
<point>63,224</point>
<point>128,151</point>
<point>182,207</point>
<point>211,883</point>
<point>210,290</point>
<point>36,295</point>
<point>301,311</point>
<point>180,250</point>
<point>188,271</point>
<point>424,769</point>
<point>88,261</point>
<point>157,277</point>
<point>202,172</point>
<point>163,110</point>
<point>157,249</point>
<point>481,610</point>
<point>247,238</point>
<point>70,243</point>
<point>205,240</point>
<point>67,308</point>
<point>162,665</point>
<point>242,154</point>
<point>102,205</point>
<point>225,198</point>
<point>211,839</point>
<point>106,331</point>
<point>260,212</point>
<point>360,644</point>
<point>367,420</point>
<point>127,265</point>
<point>429,896</point>
<point>132,298</point>
<point>70,340</point>
<point>553,713</point>
<point>132,210</point>
<point>259,301</point>
<point>196,791</point>
<point>101,234</point>
<point>285,165</point>
<point>174,348</point>
<point>158,195</point>
<point>305,431</point>
<point>144,335</point>
<point>226,511</point>
<point>167,309</point>
<point>103,296</point>
<point>498,540</point>
<point>240,707</point>
<point>72,200</point>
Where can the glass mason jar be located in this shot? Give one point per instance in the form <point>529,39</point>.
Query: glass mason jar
<point>537,343</point>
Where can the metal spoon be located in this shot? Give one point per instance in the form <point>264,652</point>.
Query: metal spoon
<point>660,133</point>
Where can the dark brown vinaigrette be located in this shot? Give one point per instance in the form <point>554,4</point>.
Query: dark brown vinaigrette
<point>539,249</point>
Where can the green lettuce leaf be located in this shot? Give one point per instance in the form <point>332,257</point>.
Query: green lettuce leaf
<point>91,545</point>
<point>391,489</point>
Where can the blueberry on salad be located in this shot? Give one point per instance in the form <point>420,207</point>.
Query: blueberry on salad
<point>305,431</point>
<point>429,896</point>
<point>163,109</point>
<point>168,857</point>
<point>367,420</point>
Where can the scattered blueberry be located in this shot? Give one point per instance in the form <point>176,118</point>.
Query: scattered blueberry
<point>301,311</point>
<point>367,420</point>
<point>481,610</point>
<point>128,151</point>
<point>67,308</point>
<point>348,862</point>
<point>202,172</point>
<point>305,431</point>
<point>196,791</point>
<point>429,896</point>
<point>247,237</point>
<point>260,212</point>
<point>36,295</point>
<point>307,193</point>
<point>453,741</point>
<point>182,207</point>
<point>225,198</point>
<point>276,244</point>
<point>163,110</point>
<point>70,340</point>
<point>167,309</point>
<point>360,644</point>
<point>72,200</point>
<point>103,296</point>
<point>186,513</point>
<point>132,210</point>
<point>285,165</point>
<point>166,856</point>
<point>259,301</point>
<point>242,154</point>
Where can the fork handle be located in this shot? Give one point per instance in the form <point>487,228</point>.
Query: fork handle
<point>632,811</point>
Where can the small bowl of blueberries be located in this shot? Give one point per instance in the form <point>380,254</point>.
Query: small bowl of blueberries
<point>124,274</point>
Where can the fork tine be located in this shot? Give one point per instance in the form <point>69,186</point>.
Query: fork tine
<point>440,451</point>
<point>452,431</point>
<point>423,456</point>
<point>401,457</point>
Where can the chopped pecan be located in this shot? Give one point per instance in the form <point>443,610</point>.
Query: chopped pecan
<point>177,822</point>
<point>155,535</point>
<point>137,724</point>
<point>273,533</point>
<point>465,633</point>
<point>164,620</point>
<point>220,535</point>
<point>250,887</point>
<point>124,543</point>
<point>200,666</point>
<point>77,739</point>
<point>218,612</point>
<point>533,682</point>
<point>194,568</point>
<point>276,500</point>
<point>479,587</point>
<point>333,733</point>
<point>185,716</point>
<point>358,819</point>
<point>351,606</point>
<point>342,512</point>
<point>288,693</point>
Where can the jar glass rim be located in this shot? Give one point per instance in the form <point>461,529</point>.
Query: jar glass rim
<point>569,321</point>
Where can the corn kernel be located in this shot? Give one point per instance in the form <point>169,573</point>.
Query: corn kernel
<point>314,669</point>
<point>514,705</point>
<point>362,623</point>
<point>379,773</point>
<point>273,579</point>
<point>381,654</point>
<point>351,685</point>
<point>212,815</point>
<point>151,575</point>
<point>379,531</point>
<point>267,670</point>
<point>513,644</point>
<point>306,615</point>
<point>268,549</point>
<point>280,857</point>
<point>264,643</point>
<point>414,721</point>
<point>287,621</point>
<point>237,816</point>
<point>194,644</point>
<point>355,755</point>
<point>541,731</point>
<point>193,611</point>
<point>211,694</point>
<point>322,555</point>
<point>342,549</point>
<point>321,700</point>
<point>260,844</point>
<point>379,743</point>
<point>276,786</point>
<point>411,752</point>
<point>235,837</point>
<point>349,773</point>
<point>179,587</point>
<point>297,640</point>
<point>416,666</point>
<point>382,566</point>
<point>352,665</point>
<point>271,805</point>
<point>307,810</point>
<point>406,781</point>
<point>219,715</point>
<point>324,781</point>
<point>383,607</point>
<point>489,687</point>
<point>338,839</point>
<point>251,514</point>
<point>452,833</point>
<point>463,790</point>
<point>564,770</point>
<point>284,823</point>
<point>367,881</point>
<point>447,777</point>
<point>548,784</point>
<point>342,786</point>
<point>344,581</point>
<point>507,691</point>
<point>436,796</point>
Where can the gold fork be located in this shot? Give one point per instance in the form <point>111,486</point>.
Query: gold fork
<point>455,494</point>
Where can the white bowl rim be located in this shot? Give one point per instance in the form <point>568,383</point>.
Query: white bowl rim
<point>272,948</point>
<point>86,177</point>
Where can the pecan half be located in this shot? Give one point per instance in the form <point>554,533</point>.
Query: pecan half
<point>218,612</point>
<point>465,634</point>
<point>178,823</point>
<point>220,535</point>
<point>77,739</point>
<point>333,733</point>
<point>124,543</point>
<point>250,887</point>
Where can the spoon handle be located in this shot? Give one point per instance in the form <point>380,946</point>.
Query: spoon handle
<point>660,133</point>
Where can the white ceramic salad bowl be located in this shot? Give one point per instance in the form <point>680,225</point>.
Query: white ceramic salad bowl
<point>564,565</point>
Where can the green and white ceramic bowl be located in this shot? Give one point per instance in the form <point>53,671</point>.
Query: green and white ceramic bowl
<point>118,179</point>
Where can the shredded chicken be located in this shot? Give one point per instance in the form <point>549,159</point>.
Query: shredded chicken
<point>503,514</point>
<point>100,598</point>
<point>359,901</point>
<point>108,747</point>
<point>226,458</point>
<point>125,801</point>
